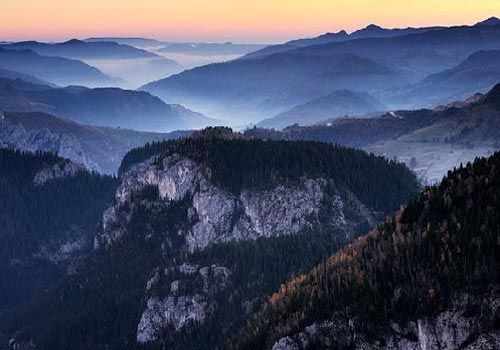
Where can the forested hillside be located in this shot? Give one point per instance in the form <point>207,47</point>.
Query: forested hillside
<point>255,212</point>
<point>49,210</point>
<point>444,242</point>
<point>239,164</point>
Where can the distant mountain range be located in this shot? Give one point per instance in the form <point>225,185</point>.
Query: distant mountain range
<point>251,89</point>
<point>210,49</point>
<point>56,70</point>
<point>97,148</point>
<point>82,50</point>
<point>100,106</point>
<point>370,31</point>
<point>188,48</point>
<point>134,65</point>
<point>132,41</point>
<point>339,103</point>
<point>477,73</point>
<point>429,141</point>
<point>245,90</point>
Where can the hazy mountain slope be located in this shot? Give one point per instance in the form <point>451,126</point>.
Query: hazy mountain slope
<point>251,208</point>
<point>370,31</point>
<point>425,278</point>
<point>210,49</point>
<point>430,142</point>
<point>13,75</point>
<point>135,41</point>
<point>339,103</point>
<point>420,53</point>
<point>263,87</point>
<point>49,209</point>
<point>477,73</point>
<point>97,148</point>
<point>82,50</point>
<point>57,70</point>
<point>133,65</point>
<point>100,106</point>
<point>247,90</point>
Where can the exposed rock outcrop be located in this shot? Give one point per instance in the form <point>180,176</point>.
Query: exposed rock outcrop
<point>469,323</point>
<point>179,296</point>
<point>217,215</point>
<point>57,171</point>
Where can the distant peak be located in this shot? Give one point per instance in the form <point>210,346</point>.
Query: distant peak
<point>373,27</point>
<point>73,41</point>
<point>492,21</point>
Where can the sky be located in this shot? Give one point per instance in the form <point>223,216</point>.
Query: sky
<point>262,21</point>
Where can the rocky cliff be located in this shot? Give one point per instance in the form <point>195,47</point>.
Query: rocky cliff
<point>216,215</point>
<point>186,294</point>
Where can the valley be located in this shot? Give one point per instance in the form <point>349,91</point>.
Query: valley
<point>208,188</point>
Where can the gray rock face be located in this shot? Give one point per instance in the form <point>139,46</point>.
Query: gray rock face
<point>217,215</point>
<point>186,300</point>
<point>468,324</point>
<point>65,145</point>
<point>57,171</point>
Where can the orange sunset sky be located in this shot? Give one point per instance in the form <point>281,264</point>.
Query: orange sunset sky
<point>216,20</point>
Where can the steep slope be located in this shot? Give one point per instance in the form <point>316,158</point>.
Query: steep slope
<point>339,103</point>
<point>101,106</point>
<point>247,90</point>
<point>430,142</point>
<point>197,237</point>
<point>49,208</point>
<point>425,278</point>
<point>57,70</point>
<point>477,73</point>
<point>97,148</point>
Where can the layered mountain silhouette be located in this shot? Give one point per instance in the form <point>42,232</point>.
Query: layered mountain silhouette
<point>274,83</point>
<point>56,70</point>
<point>83,50</point>
<point>430,141</point>
<point>339,103</point>
<point>245,89</point>
<point>100,106</point>
<point>477,73</point>
<point>134,65</point>
<point>370,31</point>
<point>210,49</point>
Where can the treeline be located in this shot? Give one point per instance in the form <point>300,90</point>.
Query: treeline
<point>443,241</point>
<point>140,154</point>
<point>353,132</point>
<point>238,164</point>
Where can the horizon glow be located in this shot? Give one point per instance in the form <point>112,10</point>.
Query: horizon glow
<point>223,20</point>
